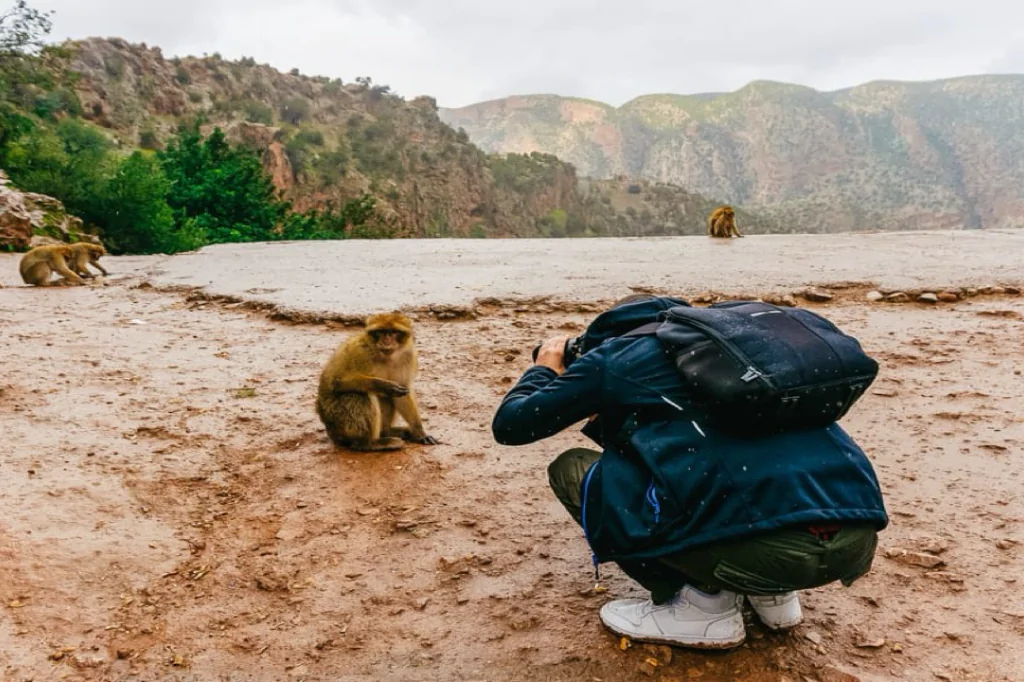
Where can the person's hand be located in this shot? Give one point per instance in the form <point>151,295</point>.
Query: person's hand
<point>552,353</point>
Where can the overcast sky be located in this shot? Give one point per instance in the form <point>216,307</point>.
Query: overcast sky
<point>610,50</point>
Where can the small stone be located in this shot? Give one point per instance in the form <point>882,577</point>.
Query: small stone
<point>928,297</point>
<point>784,300</point>
<point>932,545</point>
<point>993,290</point>
<point>909,558</point>
<point>898,297</point>
<point>874,296</point>
<point>1005,543</point>
<point>833,674</point>
<point>871,643</point>
<point>422,603</point>
<point>662,655</point>
<point>944,577</point>
<point>897,648</point>
<point>814,638</point>
<point>1013,291</point>
<point>647,669</point>
<point>885,392</point>
<point>949,297</point>
<point>816,295</point>
<point>82,660</point>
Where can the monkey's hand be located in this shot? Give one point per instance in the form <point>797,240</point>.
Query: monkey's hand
<point>391,388</point>
<point>427,440</point>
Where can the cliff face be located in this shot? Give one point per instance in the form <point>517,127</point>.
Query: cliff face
<point>321,140</point>
<point>945,154</point>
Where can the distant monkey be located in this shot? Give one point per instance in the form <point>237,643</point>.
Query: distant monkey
<point>84,254</point>
<point>722,223</point>
<point>368,379</point>
<point>38,264</point>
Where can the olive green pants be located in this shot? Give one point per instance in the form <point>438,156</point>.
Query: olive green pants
<point>774,562</point>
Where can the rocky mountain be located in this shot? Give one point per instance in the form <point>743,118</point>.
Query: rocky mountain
<point>328,141</point>
<point>884,155</point>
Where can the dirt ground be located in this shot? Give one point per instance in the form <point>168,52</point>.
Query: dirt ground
<point>171,509</point>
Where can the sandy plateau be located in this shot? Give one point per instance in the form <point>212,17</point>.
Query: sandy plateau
<point>170,508</point>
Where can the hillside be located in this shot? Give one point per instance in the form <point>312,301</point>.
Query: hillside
<point>885,155</point>
<point>328,142</point>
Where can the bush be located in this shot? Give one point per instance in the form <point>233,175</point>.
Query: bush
<point>257,112</point>
<point>148,139</point>
<point>295,110</point>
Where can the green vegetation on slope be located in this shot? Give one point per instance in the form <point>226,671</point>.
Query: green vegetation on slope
<point>163,154</point>
<point>197,191</point>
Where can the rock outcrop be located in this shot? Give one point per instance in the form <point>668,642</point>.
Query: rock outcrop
<point>28,220</point>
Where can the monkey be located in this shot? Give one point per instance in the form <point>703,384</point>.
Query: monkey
<point>85,254</point>
<point>368,379</point>
<point>38,264</point>
<point>722,223</point>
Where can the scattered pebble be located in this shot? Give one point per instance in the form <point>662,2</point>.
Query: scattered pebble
<point>909,558</point>
<point>816,295</point>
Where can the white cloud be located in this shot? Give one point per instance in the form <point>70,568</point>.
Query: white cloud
<point>463,51</point>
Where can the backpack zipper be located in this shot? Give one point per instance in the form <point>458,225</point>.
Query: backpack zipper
<point>752,372</point>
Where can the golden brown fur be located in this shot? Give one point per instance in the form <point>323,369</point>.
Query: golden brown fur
<point>38,264</point>
<point>722,223</point>
<point>84,254</point>
<point>367,380</point>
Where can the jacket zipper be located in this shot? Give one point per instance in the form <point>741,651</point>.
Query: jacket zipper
<point>583,519</point>
<point>652,497</point>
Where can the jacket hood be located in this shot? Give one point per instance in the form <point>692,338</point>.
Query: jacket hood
<point>626,317</point>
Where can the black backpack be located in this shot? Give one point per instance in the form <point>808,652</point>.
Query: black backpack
<point>756,369</point>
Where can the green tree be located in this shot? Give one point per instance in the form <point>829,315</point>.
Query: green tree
<point>224,188</point>
<point>22,30</point>
<point>72,163</point>
<point>137,216</point>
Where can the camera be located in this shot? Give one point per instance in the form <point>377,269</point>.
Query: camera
<point>573,349</point>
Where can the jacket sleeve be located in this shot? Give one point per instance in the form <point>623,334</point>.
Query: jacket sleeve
<point>543,403</point>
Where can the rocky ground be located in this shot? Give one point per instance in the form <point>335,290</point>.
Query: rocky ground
<point>171,509</point>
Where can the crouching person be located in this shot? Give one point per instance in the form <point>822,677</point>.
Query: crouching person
<point>701,519</point>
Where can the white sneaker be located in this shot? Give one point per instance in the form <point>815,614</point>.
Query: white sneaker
<point>691,618</point>
<point>778,612</point>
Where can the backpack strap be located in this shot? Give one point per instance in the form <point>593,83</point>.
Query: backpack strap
<point>645,330</point>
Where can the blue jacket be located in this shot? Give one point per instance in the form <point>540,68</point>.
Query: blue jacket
<point>666,482</point>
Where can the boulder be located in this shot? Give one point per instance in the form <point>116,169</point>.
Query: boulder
<point>28,220</point>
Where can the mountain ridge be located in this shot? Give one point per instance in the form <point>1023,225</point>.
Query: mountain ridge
<point>885,154</point>
<point>324,141</point>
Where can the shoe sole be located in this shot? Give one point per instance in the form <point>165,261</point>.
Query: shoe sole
<point>690,644</point>
<point>783,626</point>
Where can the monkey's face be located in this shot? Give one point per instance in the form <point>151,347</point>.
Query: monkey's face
<point>388,341</point>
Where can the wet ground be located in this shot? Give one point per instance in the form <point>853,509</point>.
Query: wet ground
<point>358,277</point>
<point>170,508</point>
